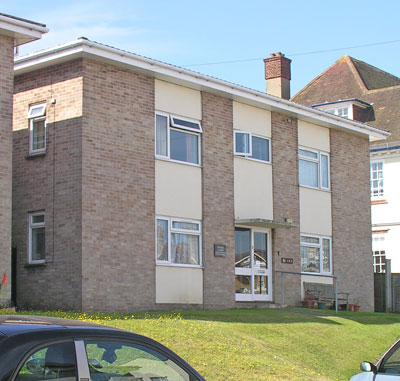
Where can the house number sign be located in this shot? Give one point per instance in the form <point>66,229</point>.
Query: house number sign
<point>287,260</point>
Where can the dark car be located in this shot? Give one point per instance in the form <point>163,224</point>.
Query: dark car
<point>43,348</point>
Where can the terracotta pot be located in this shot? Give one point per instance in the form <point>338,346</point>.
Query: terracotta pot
<point>351,307</point>
<point>308,303</point>
<point>356,308</point>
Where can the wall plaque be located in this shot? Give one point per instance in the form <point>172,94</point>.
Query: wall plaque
<point>287,260</point>
<point>219,250</point>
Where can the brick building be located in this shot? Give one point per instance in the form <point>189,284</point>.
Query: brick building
<point>13,32</point>
<point>140,185</point>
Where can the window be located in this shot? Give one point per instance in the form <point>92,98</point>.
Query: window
<point>178,139</point>
<point>341,111</point>
<point>114,360</point>
<point>377,189</point>
<point>37,128</point>
<point>37,238</point>
<point>379,252</point>
<point>315,254</point>
<point>56,361</point>
<point>178,241</point>
<point>314,169</point>
<point>251,146</point>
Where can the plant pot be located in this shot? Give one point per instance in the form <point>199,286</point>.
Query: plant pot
<point>321,305</point>
<point>356,308</point>
<point>351,307</point>
<point>308,303</point>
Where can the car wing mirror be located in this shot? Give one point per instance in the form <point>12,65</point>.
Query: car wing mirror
<point>367,366</point>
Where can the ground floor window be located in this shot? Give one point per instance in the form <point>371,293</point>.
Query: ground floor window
<point>315,254</point>
<point>37,234</point>
<point>178,241</point>
<point>379,252</point>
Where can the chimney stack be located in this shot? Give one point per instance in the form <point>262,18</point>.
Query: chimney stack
<point>277,74</point>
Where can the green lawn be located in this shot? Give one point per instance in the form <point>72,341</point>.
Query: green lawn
<point>258,344</point>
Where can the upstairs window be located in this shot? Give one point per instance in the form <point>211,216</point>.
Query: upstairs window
<point>178,242</point>
<point>340,111</point>
<point>37,128</point>
<point>314,169</point>
<point>178,139</point>
<point>251,146</point>
<point>377,189</point>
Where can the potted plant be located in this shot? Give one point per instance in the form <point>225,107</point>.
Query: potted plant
<point>356,306</point>
<point>309,300</point>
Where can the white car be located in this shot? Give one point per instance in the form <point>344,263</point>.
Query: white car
<point>387,368</point>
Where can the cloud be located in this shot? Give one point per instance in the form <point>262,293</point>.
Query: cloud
<point>118,26</point>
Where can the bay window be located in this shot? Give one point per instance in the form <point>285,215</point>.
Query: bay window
<point>315,254</point>
<point>178,241</point>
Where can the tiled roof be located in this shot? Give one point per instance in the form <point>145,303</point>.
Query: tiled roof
<point>351,78</point>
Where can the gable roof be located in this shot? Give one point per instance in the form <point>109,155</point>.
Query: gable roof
<point>350,78</point>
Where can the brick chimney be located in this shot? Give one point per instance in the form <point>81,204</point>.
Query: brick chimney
<point>277,74</point>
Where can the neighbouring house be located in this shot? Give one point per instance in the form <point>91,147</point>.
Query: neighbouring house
<point>141,185</point>
<point>13,33</point>
<point>359,91</point>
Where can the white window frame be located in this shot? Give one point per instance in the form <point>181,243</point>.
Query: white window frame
<point>32,226</point>
<point>338,110</point>
<point>173,125</point>
<point>320,246</point>
<point>382,189</point>
<point>37,117</point>
<point>318,161</point>
<point>248,155</point>
<point>171,230</point>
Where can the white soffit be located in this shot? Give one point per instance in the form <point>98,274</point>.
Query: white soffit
<point>22,31</point>
<point>180,76</point>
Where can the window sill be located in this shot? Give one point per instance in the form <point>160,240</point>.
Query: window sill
<point>378,202</point>
<point>33,155</point>
<point>318,189</point>
<point>39,264</point>
<point>177,161</point>
<point>175,265</point>
<point>252,159</point>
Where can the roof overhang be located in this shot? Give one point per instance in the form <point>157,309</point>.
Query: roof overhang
<point>22,31</point>
<point>263,223</point>
<point>83,48</point>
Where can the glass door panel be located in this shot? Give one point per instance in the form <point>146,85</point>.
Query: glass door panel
<point>253,273</point>
<point>242,248</point>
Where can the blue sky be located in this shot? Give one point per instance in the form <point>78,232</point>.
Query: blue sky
<point>188,32</point>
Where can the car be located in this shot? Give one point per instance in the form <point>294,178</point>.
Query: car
<point>42,348</point>
<point>387,368</point>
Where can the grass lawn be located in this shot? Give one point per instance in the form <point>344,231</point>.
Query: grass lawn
<point>258,344</point>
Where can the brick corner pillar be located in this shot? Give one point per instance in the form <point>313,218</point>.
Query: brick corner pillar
<point>218,201</point>
<point>286,241</point>
<point>351,218</point>
<point>6,97</point>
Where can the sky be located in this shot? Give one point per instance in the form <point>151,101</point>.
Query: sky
<point>206,36</point>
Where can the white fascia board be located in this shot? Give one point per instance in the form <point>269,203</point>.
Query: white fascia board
<point>21,31</point>
<point>184,77</point>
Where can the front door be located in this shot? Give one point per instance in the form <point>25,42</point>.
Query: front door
<point>253,268</point>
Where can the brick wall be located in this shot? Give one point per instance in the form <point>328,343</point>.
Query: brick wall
<point>50,182</point>
<point>6,88</point>
<point>218,202</point>
<point>286,205</point>
<point>351,218</point>
<point>118,190</point>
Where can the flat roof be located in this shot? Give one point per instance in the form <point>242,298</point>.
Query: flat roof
<point>85,48</point>
<point>23,31</point>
